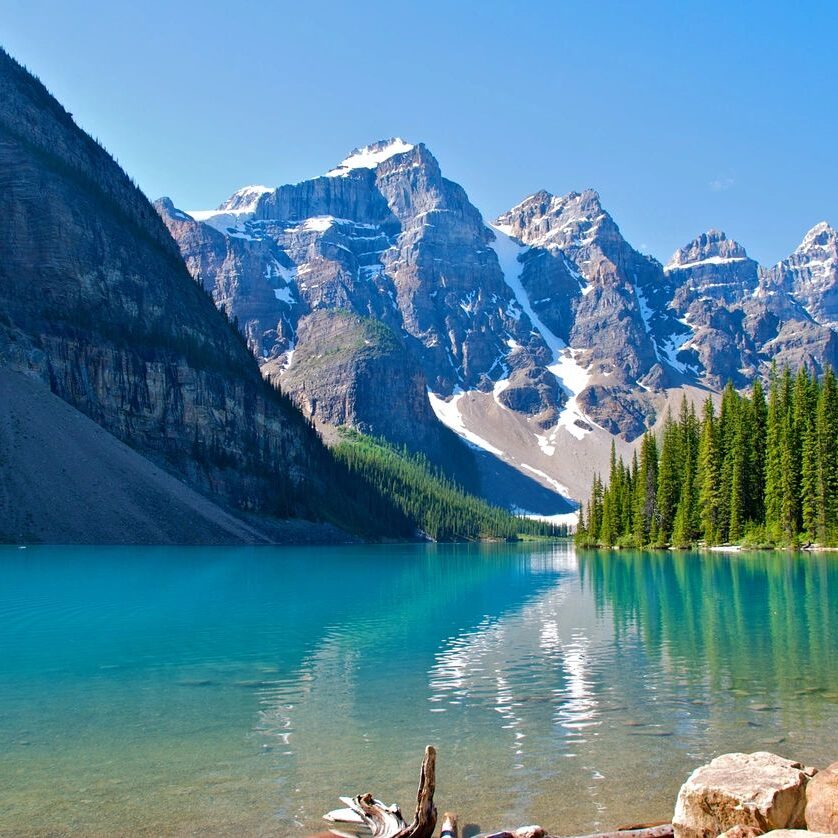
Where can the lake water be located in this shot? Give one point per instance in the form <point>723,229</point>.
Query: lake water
<point>240,691</point>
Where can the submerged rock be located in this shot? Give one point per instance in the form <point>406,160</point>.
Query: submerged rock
<point>759,790</point>
<point>822,801</point>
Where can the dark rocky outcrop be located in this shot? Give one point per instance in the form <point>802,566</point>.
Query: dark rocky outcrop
<point>356,371</point>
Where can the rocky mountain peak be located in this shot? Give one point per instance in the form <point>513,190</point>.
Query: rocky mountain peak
<point>244,199</point>
<point>810,273</point>
<point>712,247</point>
<point>370,156</point>
<point>166,209</point>
<point>556,221</point>
<point>822,235</point>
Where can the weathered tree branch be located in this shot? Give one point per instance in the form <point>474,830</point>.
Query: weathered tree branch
<point>387,821</point>
<point>661,831</point>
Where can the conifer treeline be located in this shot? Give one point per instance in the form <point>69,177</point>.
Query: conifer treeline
<point>429,500</point>
<point>758,472</point>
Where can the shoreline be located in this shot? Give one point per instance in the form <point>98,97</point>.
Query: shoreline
<point>718,548</point>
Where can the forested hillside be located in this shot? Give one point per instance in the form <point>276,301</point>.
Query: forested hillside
<point>431,502</point>
<point>759,472</point>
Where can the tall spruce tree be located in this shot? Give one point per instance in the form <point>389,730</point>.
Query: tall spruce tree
<point>645,492</point>
<point>668,489</point>
<point>709,477</point>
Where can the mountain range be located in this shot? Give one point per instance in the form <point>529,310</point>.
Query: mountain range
<point>377,296</point>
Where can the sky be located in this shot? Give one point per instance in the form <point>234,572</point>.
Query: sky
<point>682,115</point>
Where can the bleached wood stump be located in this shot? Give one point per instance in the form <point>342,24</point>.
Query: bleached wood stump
<point>387,821</point>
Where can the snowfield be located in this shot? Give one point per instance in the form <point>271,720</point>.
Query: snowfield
<point>369,157</point>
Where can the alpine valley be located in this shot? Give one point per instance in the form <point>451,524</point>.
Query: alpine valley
<point>378,297</point>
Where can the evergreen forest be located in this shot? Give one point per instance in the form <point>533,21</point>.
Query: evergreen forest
<point>432,503</point>
<point>761,470</point>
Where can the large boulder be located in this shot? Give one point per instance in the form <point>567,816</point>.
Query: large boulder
<point>761,790</point>
<point>822,801</point>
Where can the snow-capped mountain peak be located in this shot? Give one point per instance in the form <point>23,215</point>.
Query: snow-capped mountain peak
<point>370,156</point>
<point>244,199</point>
<point>821,235</point>
<point>555,221</point>
<point>710,248</point>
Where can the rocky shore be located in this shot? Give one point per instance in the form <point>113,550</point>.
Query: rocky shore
<point>744,796</point>
<point>735,796</point>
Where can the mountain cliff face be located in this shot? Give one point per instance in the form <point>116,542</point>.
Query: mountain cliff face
<point>743,317</point>
<point>532,333</point>
<point>96,302</point>
<point>810,274</point>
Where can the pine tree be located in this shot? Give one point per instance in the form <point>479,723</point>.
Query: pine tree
<point>645,491</point>
<point>755,457</point>
<point>709,478</point>
<point>736,457</point>
<point>668,481</point>
<point>581,536</point>
<point>774,445</point>
<point>826,431</point>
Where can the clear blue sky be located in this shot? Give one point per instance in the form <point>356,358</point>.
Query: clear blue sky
<point>684,115</point>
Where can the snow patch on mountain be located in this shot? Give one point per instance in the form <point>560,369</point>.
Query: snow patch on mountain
<point>370,156</point>
<point>316,224</point>
<point>674,343</point>
<point>229,222</point>
<point>710,260</point>
<point>448,412</point>
<point>559,487</point>
<point>574,378</point>
<point>285,295</point>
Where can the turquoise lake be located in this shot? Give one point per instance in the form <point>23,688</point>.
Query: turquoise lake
<point>239,691</point>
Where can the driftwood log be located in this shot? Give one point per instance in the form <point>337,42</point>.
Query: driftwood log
<point>662,831</point>
<point>366,815</point>
<point>386,821</point>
